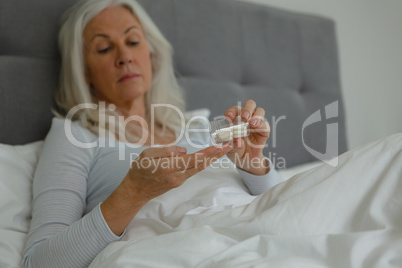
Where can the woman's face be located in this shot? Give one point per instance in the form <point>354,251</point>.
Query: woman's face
<point>117,57</point>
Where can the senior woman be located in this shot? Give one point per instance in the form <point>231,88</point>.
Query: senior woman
<point>85,195</point>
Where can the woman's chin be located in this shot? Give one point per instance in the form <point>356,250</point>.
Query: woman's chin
<point>132,93</point>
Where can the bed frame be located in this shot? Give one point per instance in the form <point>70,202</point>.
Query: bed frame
<point>226,51</point>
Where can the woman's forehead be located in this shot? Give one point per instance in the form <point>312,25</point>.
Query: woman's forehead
<point>112,20</point>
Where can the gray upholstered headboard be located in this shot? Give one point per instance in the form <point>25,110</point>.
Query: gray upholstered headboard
<point>225,51</point>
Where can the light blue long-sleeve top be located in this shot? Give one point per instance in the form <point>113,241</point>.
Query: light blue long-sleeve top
<point>67,227</point>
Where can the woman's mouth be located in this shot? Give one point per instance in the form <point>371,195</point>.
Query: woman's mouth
<point>128,77</point>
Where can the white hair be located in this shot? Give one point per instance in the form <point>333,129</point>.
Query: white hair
<point>74,89</point>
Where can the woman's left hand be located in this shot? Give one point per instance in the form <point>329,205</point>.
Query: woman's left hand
<point>247,152</point>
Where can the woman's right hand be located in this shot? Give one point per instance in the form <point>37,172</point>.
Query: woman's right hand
<point>154,172</point>
<point>157,170</point>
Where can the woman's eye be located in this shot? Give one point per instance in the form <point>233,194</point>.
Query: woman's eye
<point>134,43</point>
<point>103,51</point>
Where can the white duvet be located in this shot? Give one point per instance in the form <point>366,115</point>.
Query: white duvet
<point>348,216</point>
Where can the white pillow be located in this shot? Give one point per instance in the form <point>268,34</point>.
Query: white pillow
<point>17,167</point>
<point>203,112</point>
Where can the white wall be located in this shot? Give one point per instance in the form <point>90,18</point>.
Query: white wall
<point>370,49</point>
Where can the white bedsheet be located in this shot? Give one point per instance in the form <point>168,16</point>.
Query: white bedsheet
<point>348,216</point>
<point>287,173</point>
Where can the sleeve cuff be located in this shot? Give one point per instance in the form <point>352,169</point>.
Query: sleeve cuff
<point>259,184</point>
<point>100,223</point>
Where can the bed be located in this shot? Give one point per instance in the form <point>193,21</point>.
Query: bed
<point>339,212</point>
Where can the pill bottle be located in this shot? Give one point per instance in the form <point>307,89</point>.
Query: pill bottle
<point>223,129</point>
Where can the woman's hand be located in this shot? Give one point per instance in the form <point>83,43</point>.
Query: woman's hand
<point>154,172</point>
<point>247,152</point>
<point>158,170</point>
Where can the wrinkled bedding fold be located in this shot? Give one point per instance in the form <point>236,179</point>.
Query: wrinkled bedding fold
<point>347,216</point>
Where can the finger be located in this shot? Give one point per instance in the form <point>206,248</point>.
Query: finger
<point>248,110</point>
<point>233,111</point>
<point>193,160</point>
<point>238,143</point>
<point>208,160</point>
<point>158,152</point>
<point>215,150</point>
<point>204,162</point>
<point>257,117</point>
<point>262,129</point>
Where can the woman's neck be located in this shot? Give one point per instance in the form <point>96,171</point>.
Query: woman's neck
<point>146,132</point>
<point>132,108</point>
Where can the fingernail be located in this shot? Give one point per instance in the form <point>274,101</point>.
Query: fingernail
<point>245,114</point>
<point>182,150</point>
<point>230,114</point>
<point>254,121</point>
<point>238,143</point>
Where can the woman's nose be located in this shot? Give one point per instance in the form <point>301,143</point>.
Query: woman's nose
<point>124,57</point>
